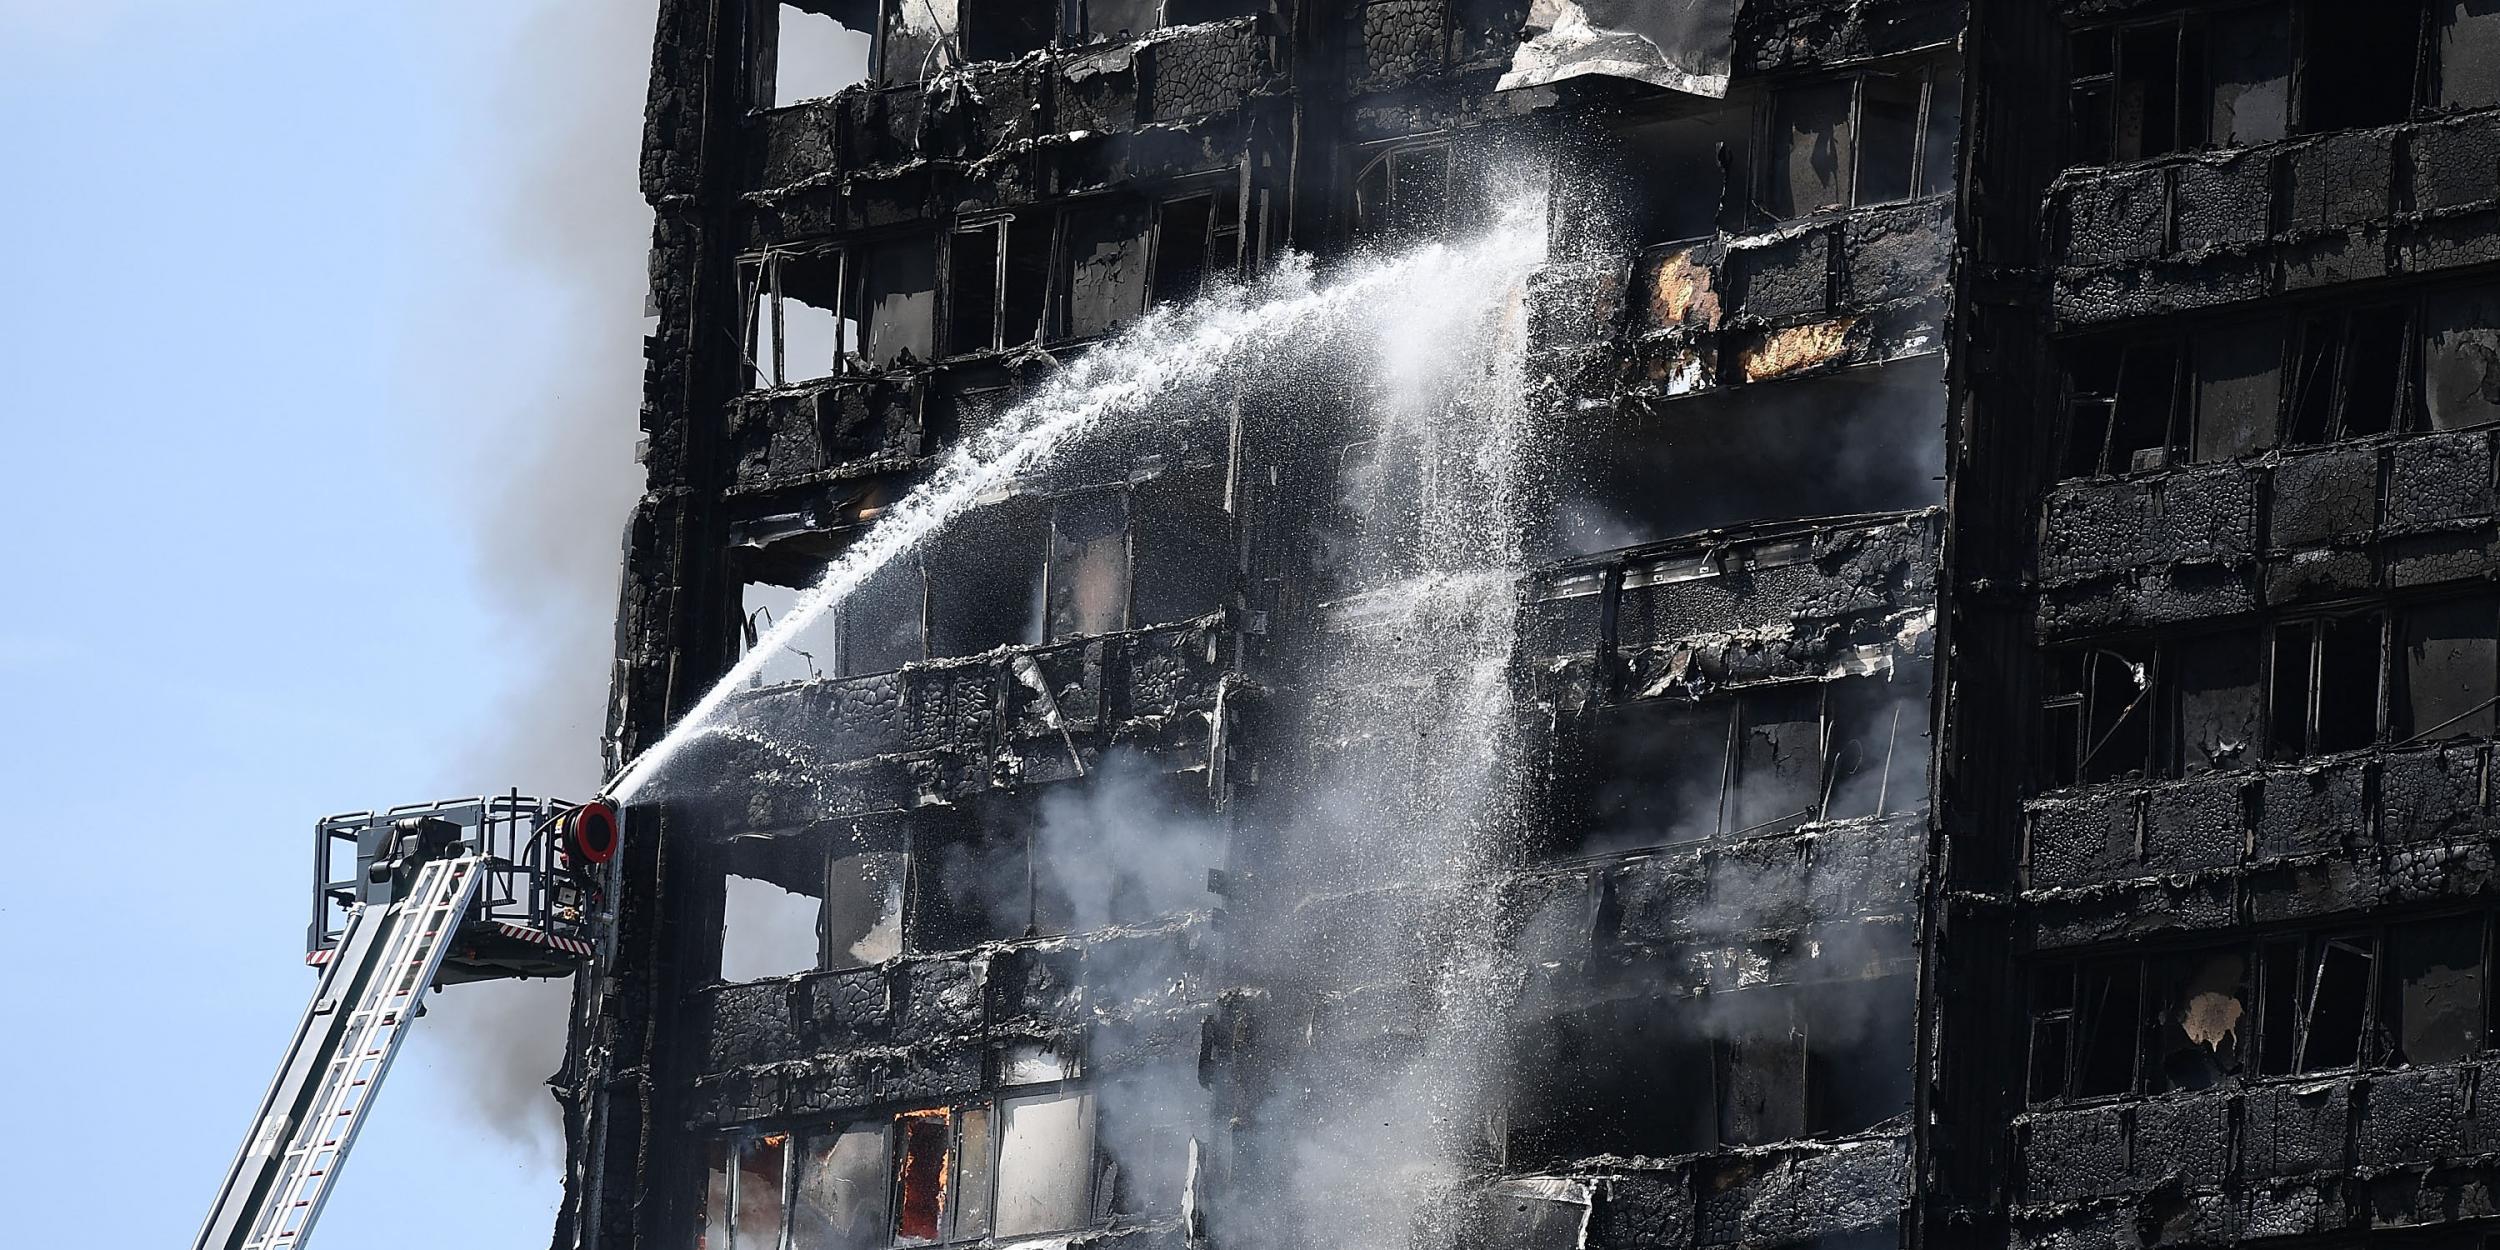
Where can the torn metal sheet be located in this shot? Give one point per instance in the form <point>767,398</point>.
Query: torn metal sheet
<point>1681,45</point>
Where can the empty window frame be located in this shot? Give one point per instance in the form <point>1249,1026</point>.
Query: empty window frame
<point>1114,19</point>
<point>805,51</point>
<point>2362,65</point>
<point>2179,83</point>
<point>799,326</point>
<point>2140,404</point>
<point>1403,192</point>
<point>1874,137</point>
<point>2323,685</point>
<point>1010,1168</point>
<point>2349,375</point>
<point>2178,707</point>
<point>2410,993</point>
<point>997,284</point>
<point>1197,239</point>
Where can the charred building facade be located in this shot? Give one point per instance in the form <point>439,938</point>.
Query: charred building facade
<point>1939,692</point>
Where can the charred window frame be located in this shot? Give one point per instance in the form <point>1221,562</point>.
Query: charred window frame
<point>1404,191</point>
<point>2361,65</point>
<point>2137,402</point>
<point>2099,708</point>
<point>2325,677</point>
<point>2291,1005</point>
<point>2446,677</point>
<point>961,1171</point>
<point>1197,240</point>
<point>997,283</point>
<point>821,899</point>
<point>2178,83</point>
<point>780,33</point>
<point>1664,772</point>
<point>1877,136</point>
<point>862,307</point>
<point>1002,30</point>
<point>797,324</point>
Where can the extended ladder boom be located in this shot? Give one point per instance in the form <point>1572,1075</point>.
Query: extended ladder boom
<point>386,959</point>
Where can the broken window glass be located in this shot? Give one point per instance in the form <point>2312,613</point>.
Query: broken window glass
<point>974,256</point>
<point>839,1200</point>
<point>768,927</point>
<point>864,908</point>
<point>923,1143</point>
<point>2281,976</point>
<point>2201,1019</point>
<point>762,1160</point>
<point>1810,141</point>
<point>1875,757</point>
<point>801,657</point>
<point>1089,573</point>
<point>1104,284</point>
<point>2099,711</point>
<point>1118,19</point>
<point>2359,63</point>
<point>1045,1164</point>
<point>2448,662</point>
<point>1888,138</point>
<point>1701,148</point>
<point>2461,358</point>
<point>2336,1019</point>
<point>2436,990</point>
<point>1402,193</point>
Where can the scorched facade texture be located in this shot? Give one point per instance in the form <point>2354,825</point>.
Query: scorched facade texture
<point>2080,412</point>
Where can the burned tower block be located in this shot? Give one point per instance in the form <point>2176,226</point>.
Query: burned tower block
<point>1965,722</point>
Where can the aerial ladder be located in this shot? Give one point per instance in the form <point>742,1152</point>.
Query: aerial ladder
<point>469,890</point>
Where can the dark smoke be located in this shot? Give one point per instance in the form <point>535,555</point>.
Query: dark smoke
<point>541,460</point>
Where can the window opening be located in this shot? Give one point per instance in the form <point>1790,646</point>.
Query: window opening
<point>762,1163</point>
<point>1197,238</point>
<point>1403,193</point>
<point>1089,565</point>
<point>813,55</point>
<point>2325,685</point>
<point>2202,1019</point>
<point>1002,30</point>
<point>2108,1020</point>
<point>2360,65</point>
<point>798,331</point>
<point>768,928</point>
<point>1104,283</point>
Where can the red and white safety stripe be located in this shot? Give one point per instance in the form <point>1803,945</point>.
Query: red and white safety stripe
<point>569,945</point>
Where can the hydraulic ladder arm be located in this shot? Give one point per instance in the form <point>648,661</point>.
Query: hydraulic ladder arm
<point>371,990</point>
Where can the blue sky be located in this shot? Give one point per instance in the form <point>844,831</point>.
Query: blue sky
<point>318,361</point>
